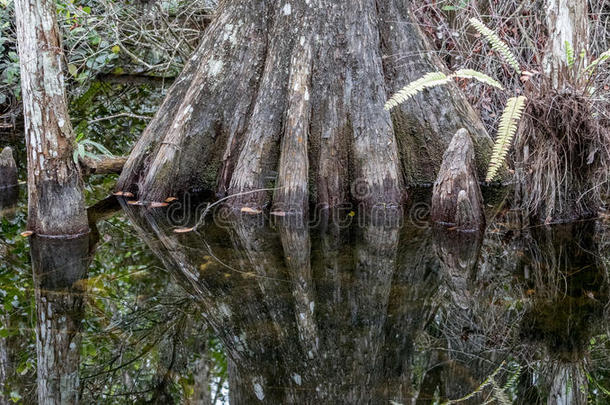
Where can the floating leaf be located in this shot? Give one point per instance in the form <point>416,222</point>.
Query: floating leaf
<point>171,199</point>
<point>27,234</point>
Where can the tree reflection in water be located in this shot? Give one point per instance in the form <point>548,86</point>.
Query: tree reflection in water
<point>375,312</point>
<point>380,310</point>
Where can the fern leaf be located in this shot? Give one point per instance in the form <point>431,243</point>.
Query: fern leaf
<point>428,80</point>
<point>500,395</point>
<point>506,132</point>
<point>602,58</point>
<point>569,54</point>
<point>496,43</point>
<point>474,74</point>
<point>101,148</point>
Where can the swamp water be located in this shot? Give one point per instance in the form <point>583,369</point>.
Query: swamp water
<point>342,309</point>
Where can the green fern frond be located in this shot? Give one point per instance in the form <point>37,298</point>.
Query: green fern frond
<point>101,148</point>
<point>569,54</point>
<point>602,58</point>
<point>428,80</point>
<point>500,395</point>
<point>506,132</point>
<point>496,43</point>
<point>474,74</point>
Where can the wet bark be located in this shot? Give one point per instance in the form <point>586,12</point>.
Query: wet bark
<point>311,78</point>
<point>55,191</point>
<point>456,198</point>
<point>59,267</point>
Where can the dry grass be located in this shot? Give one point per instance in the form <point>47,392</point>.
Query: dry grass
<point>563,155</point>
<point>562,152</point>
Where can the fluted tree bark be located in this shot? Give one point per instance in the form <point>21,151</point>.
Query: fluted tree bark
<point>289,95</point>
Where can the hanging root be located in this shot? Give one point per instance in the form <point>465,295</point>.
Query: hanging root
<point>563,156</point>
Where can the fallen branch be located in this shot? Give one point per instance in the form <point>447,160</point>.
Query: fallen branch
<point>102,165</point>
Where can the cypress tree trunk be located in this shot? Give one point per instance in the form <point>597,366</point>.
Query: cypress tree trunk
<point>55,195</point>
<point>290,94</point>
<point>59,266</point>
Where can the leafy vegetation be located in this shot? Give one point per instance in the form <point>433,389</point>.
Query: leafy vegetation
<point>84,146</point>
<point>506,132</point>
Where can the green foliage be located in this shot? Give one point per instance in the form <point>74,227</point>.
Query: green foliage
<point>110,37</point>
<point>496,43</point>
<point>85,146</point>
<point>570,59</point>
<point>433,79</point>
<point>462,4</point>
<point>474,74</point>
<point>506,132</point>
<point>601,59</point>
<point>9,61</point>
<point>428,80</point>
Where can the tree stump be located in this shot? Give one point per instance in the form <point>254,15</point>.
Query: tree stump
<point>456,198</point>
<point>8,169</point>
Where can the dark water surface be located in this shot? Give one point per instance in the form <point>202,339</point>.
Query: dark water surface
<point>341,309</point>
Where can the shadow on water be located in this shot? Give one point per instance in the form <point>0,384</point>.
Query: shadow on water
<point>399,311</point>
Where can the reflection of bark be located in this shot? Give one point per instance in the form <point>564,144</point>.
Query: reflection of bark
<point>570,291</point>
<point>368,297</point>
<point>411,307</point>
<point>306,318</point>
<point>464,317</point>
<point>9,194</point>
<point>458,253</point>
<point>59,267</point>
<point>294,235</point>
<point>8,201</point>
<point>8,354</point>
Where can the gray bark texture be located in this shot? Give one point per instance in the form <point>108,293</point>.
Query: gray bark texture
<point>59,266</point>
<point>289,95</point>
<point>55,192</point>
<point>456,197</point>
<point>8,169</point>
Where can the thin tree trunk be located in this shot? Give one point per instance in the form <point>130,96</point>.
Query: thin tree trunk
<point>290,95</point>
<point>59,266</point>
<point>568,26</point>
<point>55,191</point>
